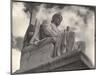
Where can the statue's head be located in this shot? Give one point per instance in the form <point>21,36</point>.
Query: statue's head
<point>68,28</point>
<point>56,19</point>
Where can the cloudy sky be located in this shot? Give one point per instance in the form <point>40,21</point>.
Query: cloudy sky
<point>80,18</point>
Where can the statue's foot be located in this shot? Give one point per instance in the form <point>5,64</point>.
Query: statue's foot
<point>54,55</point>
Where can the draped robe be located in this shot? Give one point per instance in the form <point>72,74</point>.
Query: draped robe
<point>45,34</point>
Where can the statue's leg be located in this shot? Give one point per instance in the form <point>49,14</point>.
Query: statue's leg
<point>44,42</point>
<point>54,52</point>
<point>29,48</point>
<point>57,45</point>
<point>26,51</point>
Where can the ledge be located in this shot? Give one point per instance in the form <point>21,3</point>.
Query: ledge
<point>75,60</point>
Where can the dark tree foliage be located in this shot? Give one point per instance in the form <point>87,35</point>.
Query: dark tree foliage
<point>30,5</point>
<point>19,43</point>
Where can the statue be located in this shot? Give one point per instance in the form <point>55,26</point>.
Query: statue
<point>40,34</point>
<point>48,32</point>
<point>70,39</point>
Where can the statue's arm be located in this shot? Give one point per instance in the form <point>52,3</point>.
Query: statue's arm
<point>36,31</point>
<point>49,31</point>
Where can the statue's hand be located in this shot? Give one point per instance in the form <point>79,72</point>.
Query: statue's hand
<point>35,42</point>
<point>31,42</point>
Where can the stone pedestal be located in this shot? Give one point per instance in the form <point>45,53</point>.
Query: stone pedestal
<point>41,61</point>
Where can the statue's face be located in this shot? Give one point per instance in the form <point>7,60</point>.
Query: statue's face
<point>57,21</point>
